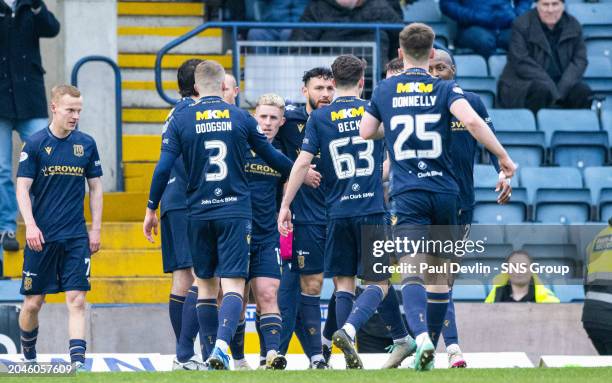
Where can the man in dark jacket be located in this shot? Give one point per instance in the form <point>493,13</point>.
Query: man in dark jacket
<point>349,11</point>
<point>546,60</point>
<point>23,106</point>
<point>484,25</point>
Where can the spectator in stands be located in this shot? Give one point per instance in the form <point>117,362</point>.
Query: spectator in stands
<point>349,11</point>
<point>597,311</point>
<point>546,61</point>
<point>519,285</point>
<point>23,106</point>
<point>484,25</point>
<point>288,11</point>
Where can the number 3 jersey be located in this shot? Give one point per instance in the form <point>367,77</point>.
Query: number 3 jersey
<point>415,110</point>
<point>351,166</point>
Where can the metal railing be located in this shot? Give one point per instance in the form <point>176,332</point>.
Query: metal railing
<point>118,110</point>
<point>235,26</point>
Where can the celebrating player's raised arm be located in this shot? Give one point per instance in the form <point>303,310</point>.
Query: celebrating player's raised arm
<point>479,129</point>
<point>34,237</point>
<point>96,194</point>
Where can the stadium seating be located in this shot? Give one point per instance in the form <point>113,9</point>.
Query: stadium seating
<point>469,290</point>
<point>606,121</point>
<point>580,120</point>
<point>600,47</point>
<point>491,234</point>
<point>9,291</point>
<point>541,234</point>
<point>597,178</point>
<point>569,291</point>
<point>579,149</point>
<point>598,74</point>
<point>512,120</point>
<point>525,148</point>
<point>497,64</point>
<point>488,211</point>
<point>596,19</point>
<point>559,178</point>
<point>471,66</point>
<point>427,11</point>
<point>485,176</point>
<point>605,205</point>
<point>565,206</point>
<point>556,255</point>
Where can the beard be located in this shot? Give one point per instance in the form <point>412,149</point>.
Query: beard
<point>314,104</point>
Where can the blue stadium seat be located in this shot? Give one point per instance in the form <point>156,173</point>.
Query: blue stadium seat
<point>525,148</point>
<point>328,288</point>
<point>597,178</point>
<point>485,176</point>
<point>598,74</point>
<point>569,291</point>
<point>471,66</point>
<point>565,206</point>
<point>488,98</point>
<point>9,291</point>
<point>606,120</point>
<point>539,178</point>
<point>480,85</point>
<point>596,19</point>
<point>578,120</point>
<point>488,211</point>
<point>605,205</point>
<point>428,12</point>
<point>491,234</point>
<point>579,149</point>
<point>512,120</point>
<point>552,251</point>
<point>599,47</point>
<point>469,291</point>
<point>538,234</point>
<point>496,65</point>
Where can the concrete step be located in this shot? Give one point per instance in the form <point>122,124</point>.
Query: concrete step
<point>139,148</point>
<point>141,128</point>
<point>121,207</point>
<point>114,236</point>
<point>146,98</point>
<point>148,75</point>
<point>145,39</point>
<point>137,177</point>
<point>159,21</point>
<point>148,8</point>
<point>106,263</point>
<point>170,61</point>
<point>123,290</point>
<point>147,115</point>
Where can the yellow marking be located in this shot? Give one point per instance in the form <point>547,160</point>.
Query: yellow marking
<point>138,148</point>
<point>171,61</point>
<point>150,8</point>
<point>148,85</point>
<point>165,31</point>
<point>145,115</point>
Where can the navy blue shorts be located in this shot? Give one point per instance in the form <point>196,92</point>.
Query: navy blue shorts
<point>348,250</point>
<point>175,242</point>
<point>308,248</point>
<point>62,265</point>
<point>220,247</point>
<point>265,260</point>
<point>424,215</point>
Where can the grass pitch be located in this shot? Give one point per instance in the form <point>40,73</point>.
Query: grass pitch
<point>522,375</point>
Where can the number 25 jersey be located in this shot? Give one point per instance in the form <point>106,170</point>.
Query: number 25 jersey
<point>415,110</point>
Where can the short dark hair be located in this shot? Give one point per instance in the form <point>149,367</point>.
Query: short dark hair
<point>186,77</point>
<point>348,70</point>
<point>416,41</point>
<point>396,65</point>
<point>319,71</point>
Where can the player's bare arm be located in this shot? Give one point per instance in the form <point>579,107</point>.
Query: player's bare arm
<point>370,128</point>
<point>34,237</point>
<point>300,168</point>
<point>96,194</point>
<point>158,185</point>
<point>479,129</point>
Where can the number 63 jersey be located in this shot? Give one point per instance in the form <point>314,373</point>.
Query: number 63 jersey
<point>415,110</point>
<point>351,166</point>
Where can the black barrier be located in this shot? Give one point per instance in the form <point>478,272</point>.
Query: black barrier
<point>9,329</point>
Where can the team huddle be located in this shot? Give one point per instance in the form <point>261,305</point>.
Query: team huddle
<point>230,182</point>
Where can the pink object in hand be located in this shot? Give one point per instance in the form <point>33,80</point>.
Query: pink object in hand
<point>286,246</point>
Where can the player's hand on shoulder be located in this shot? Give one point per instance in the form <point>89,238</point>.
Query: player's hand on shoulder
<point>94,240</point>
<point>284,221</point>
<point>313,177</point>
<point>150,225</point>
<point>34,237</point>
<point>504,188</point>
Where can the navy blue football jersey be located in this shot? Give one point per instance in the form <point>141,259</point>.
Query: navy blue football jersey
<point>263,183</point>
<point>414,108</point>
<point>212,136</point>
<point>308,207</point>
<point>351,166</point>
<point>59,168</point>
<point>174,196</point>
<point>463,150</point>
